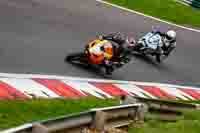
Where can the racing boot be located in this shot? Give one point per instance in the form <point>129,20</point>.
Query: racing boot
<point>108,65</point>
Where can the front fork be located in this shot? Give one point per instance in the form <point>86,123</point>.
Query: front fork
<point>170,50</point>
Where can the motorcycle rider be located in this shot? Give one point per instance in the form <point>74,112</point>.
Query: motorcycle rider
<point>168,41</point>
<point>102,53</point>
<point>120,44</point>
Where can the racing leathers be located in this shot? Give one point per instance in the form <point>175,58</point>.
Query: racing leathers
<point>119,51</point>
<point>167,45</point>
<point>120,46</point>
<point>98,51</point>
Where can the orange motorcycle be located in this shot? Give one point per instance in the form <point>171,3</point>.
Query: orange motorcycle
<point>86,59</point>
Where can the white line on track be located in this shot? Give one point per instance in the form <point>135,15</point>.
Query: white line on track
<point>157,19</point>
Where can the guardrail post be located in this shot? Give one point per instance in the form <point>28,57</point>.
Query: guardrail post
<point>128,100</point>
<point>99,121</point>
<point>38,128</point>
<point>140,113</point>
<point>197,107</point>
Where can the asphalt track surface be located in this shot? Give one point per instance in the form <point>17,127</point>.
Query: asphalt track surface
<point>36,35</point>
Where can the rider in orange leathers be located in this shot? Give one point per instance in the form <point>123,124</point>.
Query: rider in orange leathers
<point>101,51</point>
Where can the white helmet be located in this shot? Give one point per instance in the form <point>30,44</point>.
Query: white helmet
<point>171,35</point>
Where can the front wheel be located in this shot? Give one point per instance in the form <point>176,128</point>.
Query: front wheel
<point>109,70</point>
<point>158,59</point>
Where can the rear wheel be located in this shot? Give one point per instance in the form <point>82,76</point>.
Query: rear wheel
<point>79,58</point>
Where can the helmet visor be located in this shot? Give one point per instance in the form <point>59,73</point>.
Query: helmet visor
<point>169,38</point>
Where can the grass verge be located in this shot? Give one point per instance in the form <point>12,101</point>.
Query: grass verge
<point>169,10</point>
<point>14,113</point>
<point>190,122</point>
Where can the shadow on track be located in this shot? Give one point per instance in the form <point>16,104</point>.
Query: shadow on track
<point>150,61</point>
<point>162,67</point>
<point>97,71</point>
<point>91,69</point>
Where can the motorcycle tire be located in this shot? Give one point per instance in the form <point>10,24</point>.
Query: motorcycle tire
<point>79,58</point>
<point>161,58</point>
<point>158,59</point>
<point>109,70</point>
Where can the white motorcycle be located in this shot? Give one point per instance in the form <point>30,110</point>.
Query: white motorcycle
<point>149,45</point>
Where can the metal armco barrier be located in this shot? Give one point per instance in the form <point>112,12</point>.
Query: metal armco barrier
<point>115,116</point>
<point>163,104</point>
<point>100,118</point>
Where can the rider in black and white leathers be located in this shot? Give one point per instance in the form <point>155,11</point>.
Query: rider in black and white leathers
<point>168,42</point>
